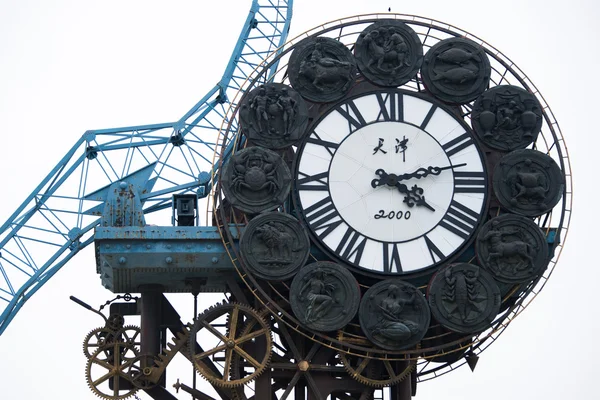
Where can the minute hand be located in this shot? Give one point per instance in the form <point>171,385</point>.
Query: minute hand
<point>423,172</point>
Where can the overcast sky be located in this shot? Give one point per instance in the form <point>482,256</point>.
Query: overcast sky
<point>70,66</point>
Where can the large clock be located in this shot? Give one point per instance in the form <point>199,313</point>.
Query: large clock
<point>391,182</point>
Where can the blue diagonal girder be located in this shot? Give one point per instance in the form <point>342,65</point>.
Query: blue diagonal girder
<point>58,218</point>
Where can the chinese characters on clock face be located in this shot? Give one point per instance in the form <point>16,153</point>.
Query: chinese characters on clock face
<point>391,182</point>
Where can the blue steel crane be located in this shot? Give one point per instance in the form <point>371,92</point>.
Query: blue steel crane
<point>156,161</point>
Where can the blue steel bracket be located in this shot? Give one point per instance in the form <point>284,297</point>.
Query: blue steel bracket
<point>123,200</point>
<point>172,256</point>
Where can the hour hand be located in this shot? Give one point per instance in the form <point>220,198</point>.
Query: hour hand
<point>414,196</point>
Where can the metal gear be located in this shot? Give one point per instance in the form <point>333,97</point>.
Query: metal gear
<point>96,339</point>
<point>230,342</point>
<point>115,322</point>
<point>121,357</point>
<point>372,371</point>
<point>130,334</point>
<point>140,371</point>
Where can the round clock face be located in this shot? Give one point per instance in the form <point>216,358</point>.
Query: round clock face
<point>391,182</point>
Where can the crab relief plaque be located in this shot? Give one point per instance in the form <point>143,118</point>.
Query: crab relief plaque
<point>464,298</point>
<point>528,182</point>
<point>324,296</point>
<point>512,248</point>
<point>394,314</point>
<point>456,70</point>
<point>322,69</point>
<point>388,53</point>
<point>274,246</point>
<point>256,180</point>
<point>507,118</point>
<point>273,115</point>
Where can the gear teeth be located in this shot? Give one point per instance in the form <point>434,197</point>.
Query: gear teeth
<point>90,335</point>
<point>210,315</point>
<point>375,383</point>
<point>94,389</point>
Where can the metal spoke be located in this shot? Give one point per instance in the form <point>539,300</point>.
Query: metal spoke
<point>214,331</point>
<point>291,386</point>
<point>389,368</point>
<point>313,385</point>
<point>103,378</point>
<point>233,322</point>
<point>250,336</point>
<point>209,352</point>
<point>362,365</point>
<point>228,357</point>
<point>246,356</point>
<point>290,342</point>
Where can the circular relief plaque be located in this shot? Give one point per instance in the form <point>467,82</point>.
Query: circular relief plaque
<point>274,246</point>
<point>464,298</point>
<point>255,180</point>
<point>512,248</point>
<point>456,70</point>
<point>528,182</point>
<point>389,53</point>
<point>273,115</point>
<point>321,69</point>
<point>507,117</point>
<point>394,314</point>
<point>324,296</point>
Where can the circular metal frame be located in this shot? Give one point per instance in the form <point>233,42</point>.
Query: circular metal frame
<point>549,141</point>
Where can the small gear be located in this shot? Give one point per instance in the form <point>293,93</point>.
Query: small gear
<point>230,343</point>
<point>115,322</point>
<point>96,339</point>
<point>114,384</point>
<point>131,335</point>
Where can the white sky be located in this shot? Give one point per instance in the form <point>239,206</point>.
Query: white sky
<point>68,66</point>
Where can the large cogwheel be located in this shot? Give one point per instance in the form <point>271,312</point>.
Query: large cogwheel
<point>108,377</point>
<point>107,370</point>
<point>216,339</point>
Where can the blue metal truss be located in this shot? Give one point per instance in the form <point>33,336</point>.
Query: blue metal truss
<point>58,218</point>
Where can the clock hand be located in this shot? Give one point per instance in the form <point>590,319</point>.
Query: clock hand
<point>414,196</point>
<point>423,172</point>
<point>386,179</point>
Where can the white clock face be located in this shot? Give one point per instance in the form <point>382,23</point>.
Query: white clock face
<point>391,182</point>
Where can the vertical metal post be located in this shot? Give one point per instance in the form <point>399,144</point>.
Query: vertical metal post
<point>151,311</point>
<point>402,390</point>
<point>195,293</point>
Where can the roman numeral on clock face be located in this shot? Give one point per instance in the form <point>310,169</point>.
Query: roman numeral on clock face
<point>352,246</point>
<point>469,182</point>
<point>391,107</point>
<point>323,217</point>
<point>460,220</point>
<point>458,144</point>
<point>331,147</point>
<point>435,253</point>
<point>312,182</point>
<point>351,113</point>
<point>391,258</point>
